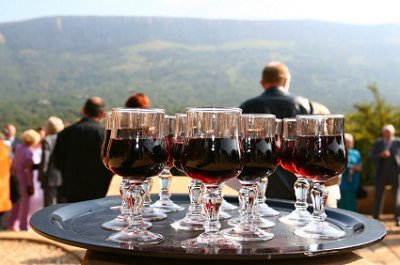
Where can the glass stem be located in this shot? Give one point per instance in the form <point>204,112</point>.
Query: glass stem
<point>263,184</point>
<point>301,188</point>
<point>123,188</point>
<point>147,186</point>
<point>212,204</point>
<point>135,199</point>
<point>318,196</point>
<point>196,191</point>
<point>247,201</point>
<point>165,183</point>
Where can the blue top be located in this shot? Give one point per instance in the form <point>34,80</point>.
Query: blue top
<point>354,158</point>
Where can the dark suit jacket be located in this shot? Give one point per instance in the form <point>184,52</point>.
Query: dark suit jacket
<point>387,170</point>
<point>49,175</point>
<point>77,155</point>
<point>283,105</point>
<point>276,101</point>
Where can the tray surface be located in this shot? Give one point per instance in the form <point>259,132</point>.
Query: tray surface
<point>78,224</point>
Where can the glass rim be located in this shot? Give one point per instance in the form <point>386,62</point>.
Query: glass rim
<point>259,115</point>
<point>138,110</point>
<point>320,116</point>
<point>289,119</point>
<point>214,109</point>
<point>180,115</point>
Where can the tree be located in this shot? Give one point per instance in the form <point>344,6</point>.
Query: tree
<point>366,124</point>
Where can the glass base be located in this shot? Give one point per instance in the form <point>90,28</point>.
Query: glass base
<point>167,206</point>
<point>189,224</point>
<point>265,211</point>
<point>247,233</point>
<point>257,221</point>
<point>297,218</point>
<point>120,223</point>
<point>153,214</point>
<point>136,236</point>
<point>211,241</point>
<point>226,206</point>
<point>320,230</point>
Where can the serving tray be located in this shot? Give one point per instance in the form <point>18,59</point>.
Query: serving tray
<point>78,224</point>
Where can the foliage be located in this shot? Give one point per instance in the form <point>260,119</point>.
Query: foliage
<point>366,125</point>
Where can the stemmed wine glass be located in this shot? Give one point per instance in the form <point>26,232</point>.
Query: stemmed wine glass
<point>194,218</point>
<point>165,203</point>
<point>319,155</point>
<point>212,153</point>
<point>136,151</point>
<point>262,207</point>
<point>300,216</point>
<point>260,160</point>
<point>120,222</point>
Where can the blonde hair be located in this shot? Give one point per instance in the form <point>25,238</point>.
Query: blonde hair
<point>30,137</point>
<point>54,125</point>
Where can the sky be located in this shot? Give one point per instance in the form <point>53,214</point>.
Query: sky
<point>342,11</point>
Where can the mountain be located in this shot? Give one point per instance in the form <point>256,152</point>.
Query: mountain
<point>49,66</point>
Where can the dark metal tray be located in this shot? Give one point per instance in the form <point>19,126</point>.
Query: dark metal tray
<point>78,224</point>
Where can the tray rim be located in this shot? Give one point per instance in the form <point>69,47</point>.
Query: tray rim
<point>376,235</point>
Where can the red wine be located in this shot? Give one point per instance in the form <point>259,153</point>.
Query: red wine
<point>286,155</point>
<point>320,157</point>
<point>104,145</point>
<point>177,150</point>
<point>137,158</point>
<point>169,140</point>
<point>278,143</point>
<point>260,158</point>
<point>212,160</point>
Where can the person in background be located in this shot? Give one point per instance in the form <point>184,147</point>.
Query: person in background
<point>351,177</point>
<point>49,175</point>
<point>9,136</point>
<point>37,199</point>
<point>22,164</point>
<point>386,154</point>
<point>138,100</point>
<point>276,99</point>
<point>5,169</point>
<point>12,141</point>
<point>77,155</point>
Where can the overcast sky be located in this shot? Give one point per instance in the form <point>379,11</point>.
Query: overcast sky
<point>344,11</point>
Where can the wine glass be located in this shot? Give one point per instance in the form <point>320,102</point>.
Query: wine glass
<point>120,222</point>
<point>194,218</point>
<point>262,207</point>
<point>212,154</point>
<point>319,155</point>
<point>165,203</point>
<point>260,160</point>
<point>300,216</point>
<point>136,151</point>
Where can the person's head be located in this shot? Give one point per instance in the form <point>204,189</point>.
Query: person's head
<point>138,100</point>
<point>348,140</point>
<point>94,108</point>
<point>275,74</point>
<point>42,132</point>
<point>54,125</point>
<point>388,132</point>
<point>30,137</point>
<point>9,131</point>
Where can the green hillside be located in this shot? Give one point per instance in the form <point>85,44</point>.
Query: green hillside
<point>50,66</point>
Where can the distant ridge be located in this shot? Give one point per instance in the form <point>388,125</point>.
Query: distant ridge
<point>82,33</point>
